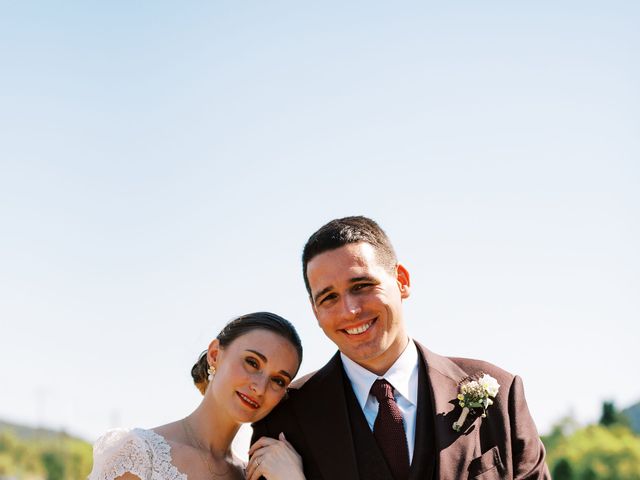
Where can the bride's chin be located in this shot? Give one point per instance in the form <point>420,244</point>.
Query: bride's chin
<point>243,415</point>
<point>260,416</point>
<point>247,416</point>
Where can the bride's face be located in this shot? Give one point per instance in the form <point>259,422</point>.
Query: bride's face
<point>252,374</point>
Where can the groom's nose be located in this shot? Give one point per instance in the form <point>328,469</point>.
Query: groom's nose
<point>350,306</point>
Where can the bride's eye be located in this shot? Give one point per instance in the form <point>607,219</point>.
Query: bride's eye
<point>279,382</point>
<point>252,362</point>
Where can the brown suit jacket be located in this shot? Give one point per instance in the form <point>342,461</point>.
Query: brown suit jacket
<point>504,445</point>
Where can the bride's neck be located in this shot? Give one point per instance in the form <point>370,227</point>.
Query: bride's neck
<point>212,429</point>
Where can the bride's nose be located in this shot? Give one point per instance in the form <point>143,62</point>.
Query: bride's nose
<point>259,384</point>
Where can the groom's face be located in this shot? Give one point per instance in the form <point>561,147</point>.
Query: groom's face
<point>357,301</point>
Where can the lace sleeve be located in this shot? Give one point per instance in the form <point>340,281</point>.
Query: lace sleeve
<point>118,452</point>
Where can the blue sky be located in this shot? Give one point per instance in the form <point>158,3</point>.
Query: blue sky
<point>162,164</point>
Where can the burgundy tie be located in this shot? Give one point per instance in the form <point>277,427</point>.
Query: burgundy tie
<point>388,430</point>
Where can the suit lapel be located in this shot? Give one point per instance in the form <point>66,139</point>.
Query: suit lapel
<point>324,419</point>
<point>453,449</point>
<point>423,461</point>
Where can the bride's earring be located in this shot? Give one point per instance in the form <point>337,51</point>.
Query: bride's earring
<point>212,372</point>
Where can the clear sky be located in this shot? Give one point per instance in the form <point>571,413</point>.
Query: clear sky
<point>162,164</point>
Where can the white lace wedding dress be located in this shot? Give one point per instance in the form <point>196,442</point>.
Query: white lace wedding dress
<point>141,452</point>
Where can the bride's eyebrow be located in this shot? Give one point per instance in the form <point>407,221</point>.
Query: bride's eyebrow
<point>264,359</point>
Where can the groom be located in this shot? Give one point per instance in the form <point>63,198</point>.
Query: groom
<point>384,406</point>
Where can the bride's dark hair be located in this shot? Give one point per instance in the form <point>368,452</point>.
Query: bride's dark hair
<point>239,327</point>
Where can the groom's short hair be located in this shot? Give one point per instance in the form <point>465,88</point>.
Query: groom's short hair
<point>343,231</point>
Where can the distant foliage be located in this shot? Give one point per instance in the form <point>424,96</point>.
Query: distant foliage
<point>50,458</point>
<point>609,450</point>
<point>53,465</point>
<point>562,470</point>
<point>610,416</point>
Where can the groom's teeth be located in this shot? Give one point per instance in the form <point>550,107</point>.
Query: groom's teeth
<point>357,330</point>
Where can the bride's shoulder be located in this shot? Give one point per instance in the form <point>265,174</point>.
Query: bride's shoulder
<point>128,451</point>
<point>119,453</point>
<point>122,439</point>
<point>117,439</point>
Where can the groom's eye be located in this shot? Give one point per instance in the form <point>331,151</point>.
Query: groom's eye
<point>331,296</point>
<point>360,286</point>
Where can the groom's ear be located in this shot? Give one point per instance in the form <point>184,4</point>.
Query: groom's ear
<point>404,281</point>
<point>213,351</point>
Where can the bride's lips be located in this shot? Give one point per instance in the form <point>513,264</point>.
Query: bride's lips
<point>248,401</point>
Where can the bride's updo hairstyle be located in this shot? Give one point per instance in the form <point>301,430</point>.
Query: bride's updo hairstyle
<point>239,327</point>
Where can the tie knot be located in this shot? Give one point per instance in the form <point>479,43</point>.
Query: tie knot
<point>382,390</point>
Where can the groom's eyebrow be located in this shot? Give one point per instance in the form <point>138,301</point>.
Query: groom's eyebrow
<point>321,292</point>
<point>364,278</point>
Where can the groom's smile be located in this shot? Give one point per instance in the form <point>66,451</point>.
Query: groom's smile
<point>360,329</point>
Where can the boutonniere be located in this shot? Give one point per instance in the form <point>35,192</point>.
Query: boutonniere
<point>476,394</point>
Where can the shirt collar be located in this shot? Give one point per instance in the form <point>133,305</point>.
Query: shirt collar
<point>402,375</point>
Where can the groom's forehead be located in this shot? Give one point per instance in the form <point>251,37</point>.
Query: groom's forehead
<point>345,255</point>
<point>345,261</point>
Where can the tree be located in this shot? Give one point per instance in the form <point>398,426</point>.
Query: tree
<point>54,465</point>
<point>562,470</point>
<point>597,452</point>
<point>55,457</point>
<point>610,415</point>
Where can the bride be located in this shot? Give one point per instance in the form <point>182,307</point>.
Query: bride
<point>243,375</point>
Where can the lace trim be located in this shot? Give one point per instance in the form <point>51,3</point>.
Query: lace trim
<point>143,453</point>
<point>163,468</point>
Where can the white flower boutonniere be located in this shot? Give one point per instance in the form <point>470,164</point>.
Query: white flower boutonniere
<point>476,394</point>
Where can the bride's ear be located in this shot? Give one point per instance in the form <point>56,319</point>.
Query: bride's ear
<point>213,351</point>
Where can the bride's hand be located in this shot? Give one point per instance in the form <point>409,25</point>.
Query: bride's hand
<point>274,460</point>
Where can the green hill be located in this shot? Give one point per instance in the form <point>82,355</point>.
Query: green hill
<point>607,450</point>
<point>30,433</point>
<point>39,453</point>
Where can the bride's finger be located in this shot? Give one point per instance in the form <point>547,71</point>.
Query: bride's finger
<point>260,443</point>
<point>284,440</point>
<point>252,466</point>
<point>253,469</point>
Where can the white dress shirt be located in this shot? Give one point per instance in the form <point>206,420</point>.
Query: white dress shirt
<point>403,376</point>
